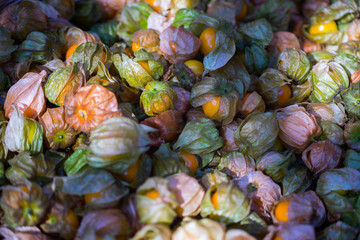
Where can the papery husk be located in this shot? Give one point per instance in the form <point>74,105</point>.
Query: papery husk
<point>40,47</point>
<point>148,39</point>
<point>275,164</point>
<point>103,183</point>
<point>153,232</point>
<point>159,210</point>
<point>297,127</point>
<point>23,166</point>
<point>236,164</point>
<point>89,54</point>
<point>352,159</point>
<point>351,98</point>
<point>23,134</point>
<point>210,180</point>
<point>189,193</point>
<point>23,208</point>
<point>210,88</point>
<point>182,103</point>
<point>23,233</point>
<point>332,132</point>
<point>57,223</point>
<point>294,64</point>
<point>253,103</point>
<point>106,31</point>
<point>297,180</point>
<point>309,46</point>
<point>339,189</point>
<point>304,208</point>
<point>194,113</point>
<point>62,81</point>
<point>238,234</point>
<point>186,44</point>
<point>262,190</point>
<point>131,71</point>
<point>76,163</point>
<point>199,137</point>
<point>133,17</point>
<point>157,97</point>
<point>233,205</point>
<point>353,30</point>
<point>6,45</point>
<point>269,84</point>
<point>28,95</point>
<point>310,6</point>
<point>351,134</point>
<point>226,10</point>
<point>57,132</point>
<point>227,133</point>
<point>327,79</point>
<point>74,35</point>
<point>257,133</point>
<point>196,229</point>
<point>321,156</point>
<point>65,8</point>
<point>169,123</point>
<point>3,147</point>
<point>167,162</point>
<point>350,63</point>
<point>291,231</point>
<point>23,18</point>
<point>117,143</point>
<point>328,112</point>
<point>128,207</point>
<point>89,106</point>
<point>338,230</point>
<point>103,224</point>
<point>283,40</point>
<point>316,56</point>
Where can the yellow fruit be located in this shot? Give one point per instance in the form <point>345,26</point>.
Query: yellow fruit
<point>145,65</point>
<point>215,200</point>
<point>191,161</point>
<point>243,12</point>
<point>130,174</point>
<point>135,47</point>
<point>89,197</point>
<point>70,51</point>
<point>282,211</point>
<point>323,28</point>
<point>153,194</point>
<point>284,95</point>
<point>196,67</point>
<point>207,39</point>
<point>211,107</point>
<point>72,219</point>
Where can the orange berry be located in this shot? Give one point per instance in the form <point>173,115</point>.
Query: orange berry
<point>195,66</point>
<point>277,238</point>
<point>145,65</point>
<point>190,161</point>
<point>207,39</point>
<point>72,219</point>
<point>282,211</point>
<point>130,174</point>
<point>215,200</point>
<point>135,47</point>
<point>213,176</point>
<point>89,197</point>
<point>71,51</point>
<point>151,3</point>
<point>211,107</point>
<point>243,12</point>
<point>323,28</point>
<point>153,194</point>
<point>284,95</point>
